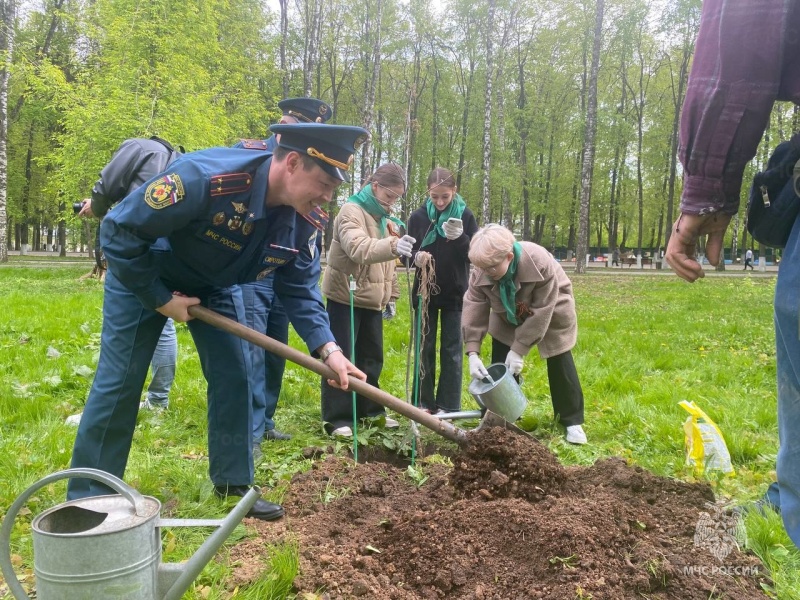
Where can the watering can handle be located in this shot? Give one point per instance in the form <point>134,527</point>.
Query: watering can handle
<point>117,484</point>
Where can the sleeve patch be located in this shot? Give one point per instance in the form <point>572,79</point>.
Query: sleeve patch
<point>164,191</point>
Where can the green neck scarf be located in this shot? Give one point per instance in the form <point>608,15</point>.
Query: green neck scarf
<point>367,200</point>
<point>508,289</point>
<point>454,210</point>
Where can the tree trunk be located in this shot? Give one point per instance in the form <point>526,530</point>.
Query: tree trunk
<point>435,116</point>
<point>369,109</point>
<point>683,74</point>
<point>313,26</point>
<point>487,115</point>
<point>588,157</point>
<point>284,4</point>
<point>464,124</point>
<point>7,18</point>
<point>26,192</point>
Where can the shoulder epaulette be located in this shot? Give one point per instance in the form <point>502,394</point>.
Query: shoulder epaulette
<point>254,144</point>
<point>318,218</point>
<point>229,183</point>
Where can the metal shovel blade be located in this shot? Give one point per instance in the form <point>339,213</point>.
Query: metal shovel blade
<point>491,419</point>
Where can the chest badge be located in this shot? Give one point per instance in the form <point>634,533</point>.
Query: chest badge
<point>312,244</point>
<point>234,222</point>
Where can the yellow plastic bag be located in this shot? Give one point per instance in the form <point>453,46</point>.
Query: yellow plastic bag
<point>705,446</point>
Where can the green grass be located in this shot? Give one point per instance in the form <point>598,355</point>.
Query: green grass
<point>644,344</point>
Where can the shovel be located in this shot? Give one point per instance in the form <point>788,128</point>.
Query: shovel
<point>443,428</point>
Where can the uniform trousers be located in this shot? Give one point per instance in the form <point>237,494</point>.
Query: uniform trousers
<point>337,405</point>
<point>565,386</point>
<point>129,336</point>
<point>264,312</point>
<point>447,396</point>
<point>785,495</point>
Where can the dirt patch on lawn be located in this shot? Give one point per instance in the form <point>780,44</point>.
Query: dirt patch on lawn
<point>506,522</point>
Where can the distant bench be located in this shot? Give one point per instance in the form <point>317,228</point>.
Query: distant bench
<point>631,260</point>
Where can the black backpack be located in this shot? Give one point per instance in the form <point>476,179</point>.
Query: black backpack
<point>774,201</point>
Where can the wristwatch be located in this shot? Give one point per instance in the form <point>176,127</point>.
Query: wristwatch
<point>328,350</point>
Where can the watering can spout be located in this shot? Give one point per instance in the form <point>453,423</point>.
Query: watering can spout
<point>174,579</point>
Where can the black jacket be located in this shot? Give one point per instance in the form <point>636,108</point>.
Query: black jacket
<point>136,161</point>
<point>450,256</point>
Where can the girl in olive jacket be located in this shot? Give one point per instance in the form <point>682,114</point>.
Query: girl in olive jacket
<point>365,246</point>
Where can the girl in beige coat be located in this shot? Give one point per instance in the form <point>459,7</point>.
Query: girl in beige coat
<point>365,248</point>
<point>521,296</point>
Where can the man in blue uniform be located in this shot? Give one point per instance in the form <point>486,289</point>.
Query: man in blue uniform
<point>263,311</point>
<point>216,218</point>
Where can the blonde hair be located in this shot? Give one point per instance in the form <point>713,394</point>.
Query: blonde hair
<point>490,245</point>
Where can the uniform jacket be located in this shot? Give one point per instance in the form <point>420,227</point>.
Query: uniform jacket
<point>359,250</point>
<point>545,307</point>
<point>203,224</point>
<point>136,160</point>
<point>745,59</point>
<point>451,262</point>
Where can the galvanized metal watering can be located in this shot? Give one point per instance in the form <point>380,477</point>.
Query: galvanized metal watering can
<point>109,546</point>
<point>499,393</point>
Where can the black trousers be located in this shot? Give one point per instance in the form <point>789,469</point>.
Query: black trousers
<point>565,387</point>
<point>451,360</point>
<point>337,406</point>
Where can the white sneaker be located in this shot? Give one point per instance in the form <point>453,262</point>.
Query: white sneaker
<point>343,431</point>
<point>74,419</point>
<point>576,435</point>
<point>391,423</point>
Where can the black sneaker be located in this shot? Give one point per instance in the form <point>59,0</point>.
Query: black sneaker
<point>262,509</point>
<point>274,434</point>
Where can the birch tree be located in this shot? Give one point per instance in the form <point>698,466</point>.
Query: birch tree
<point>7,18</point>
<point>587,169</point>
<point>486,164</point>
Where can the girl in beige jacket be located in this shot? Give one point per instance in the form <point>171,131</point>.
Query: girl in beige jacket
<point>365,246</point>
<point>520,295</point>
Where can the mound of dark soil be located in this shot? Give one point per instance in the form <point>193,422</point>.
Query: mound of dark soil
<point>506,522</point>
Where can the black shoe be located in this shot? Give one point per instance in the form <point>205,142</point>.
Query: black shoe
<point>274,434</point>
<point>262,509</point>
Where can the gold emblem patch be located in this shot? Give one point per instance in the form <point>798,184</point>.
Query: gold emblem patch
<point>247,228</point>
<point>219,218</point>
<point>164,191</point>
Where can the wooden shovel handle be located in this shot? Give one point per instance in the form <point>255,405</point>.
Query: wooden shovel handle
<point>443,428</point>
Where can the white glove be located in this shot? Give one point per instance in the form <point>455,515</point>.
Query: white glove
<point>422,258</point>
<point>404,245</point>
<point>514,362</point>
<point>476,368</point>
<point>453,229</point>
